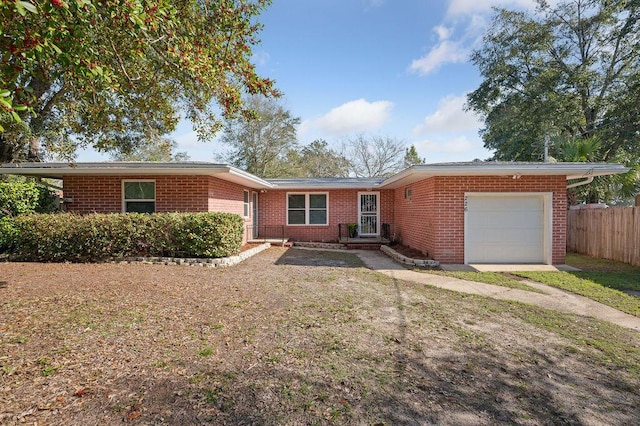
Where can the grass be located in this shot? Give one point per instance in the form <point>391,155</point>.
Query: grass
<point>588,288</point>
<point>493,278</point>
<point>365,348</point>
<point>601,280</point>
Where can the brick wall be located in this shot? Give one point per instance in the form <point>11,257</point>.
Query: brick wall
<point>228,197</point>
<point>433,219</point>
<point>343,208</point>
<point>103,194</point>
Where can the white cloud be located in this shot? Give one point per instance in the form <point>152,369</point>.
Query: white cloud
<point>445,52</point>
<point>443,32</point>
<point>458,145</point>
<point>354,116</point>
<point>461,31</point>
<point>470,7</point>
<point>452,149</point>
<point>449,117</point>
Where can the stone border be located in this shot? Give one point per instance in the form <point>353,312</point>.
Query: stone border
<point>221,262</point>
<point>408,260</point>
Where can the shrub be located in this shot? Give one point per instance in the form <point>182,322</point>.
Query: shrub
<point>69,237</point>
<point>7,233</point>
<point>25,197</point>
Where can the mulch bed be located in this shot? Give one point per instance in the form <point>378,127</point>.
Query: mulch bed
<point>410,252</point>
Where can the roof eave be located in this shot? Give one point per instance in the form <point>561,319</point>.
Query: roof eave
<point>570,171</point>
<point>59,170</point>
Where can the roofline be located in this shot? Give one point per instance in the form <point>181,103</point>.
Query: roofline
<point>59,170</point>
<point>298,184</point>
<point>233,174</point>
<point>569,170</point>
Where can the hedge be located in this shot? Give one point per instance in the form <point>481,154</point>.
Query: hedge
<point>76,238</point>
<point>25,197</point>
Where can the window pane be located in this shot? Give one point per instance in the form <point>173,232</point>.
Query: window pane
<point>317,217</point>
<point>296,201</point>
<point>246,196</point>
<point>139,190</point>
<point>296,217</point>
<point>318,201</point>
<point>140,207</point>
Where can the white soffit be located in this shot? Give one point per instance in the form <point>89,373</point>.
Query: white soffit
<point>569,170</point>
<point>59,170</point>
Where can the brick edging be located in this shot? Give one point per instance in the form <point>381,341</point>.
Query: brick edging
<point>408,260</point>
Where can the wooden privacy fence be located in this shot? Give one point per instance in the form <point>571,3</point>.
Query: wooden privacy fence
<point>612,233</point>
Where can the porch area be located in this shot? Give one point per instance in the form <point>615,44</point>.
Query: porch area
<point>345,236</point>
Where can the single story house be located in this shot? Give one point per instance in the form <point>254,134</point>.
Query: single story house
<point>478,212</point>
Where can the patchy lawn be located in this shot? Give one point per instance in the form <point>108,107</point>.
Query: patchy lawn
<point>295,337</point>
<point>602,280</point>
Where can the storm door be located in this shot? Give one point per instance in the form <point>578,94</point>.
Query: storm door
<point>368,214</point>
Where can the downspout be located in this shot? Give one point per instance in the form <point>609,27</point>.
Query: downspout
<point>582,182</point>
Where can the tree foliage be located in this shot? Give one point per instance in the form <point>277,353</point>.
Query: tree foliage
<point>571,71</point>
<point>160,149</point>
<point>375,156</point>
<point>260,143</point>
<point>411,157</point>
<point>109,75</point>
<point>317,160</point>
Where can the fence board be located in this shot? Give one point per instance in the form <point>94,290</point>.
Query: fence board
<point>612,233</point>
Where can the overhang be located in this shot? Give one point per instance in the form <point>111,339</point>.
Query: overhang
<point>240,177</point>
<point>569,170</point>
<point>59,170</point>
<point>326,183</point>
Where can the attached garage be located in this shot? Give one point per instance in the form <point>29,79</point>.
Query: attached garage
<point>508,227</point>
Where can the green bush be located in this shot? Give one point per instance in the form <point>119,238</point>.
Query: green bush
<point>25,197</point>
<point>7,233</point>
<point>69,237</point>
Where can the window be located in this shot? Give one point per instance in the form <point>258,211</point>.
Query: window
<point>246,203</point>
<point>307,209</point>
<point>139,196</point>
<point>408,193</point>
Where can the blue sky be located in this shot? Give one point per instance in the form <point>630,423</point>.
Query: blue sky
<point>397,68</point>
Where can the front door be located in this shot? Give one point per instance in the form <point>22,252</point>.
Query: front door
<point>368,214</point>
<point>255,215</point>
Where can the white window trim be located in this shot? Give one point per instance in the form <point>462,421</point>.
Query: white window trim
<point>124,201</point>
<point>408,193</point>
<point>246,206</point>
<point>307,209</point>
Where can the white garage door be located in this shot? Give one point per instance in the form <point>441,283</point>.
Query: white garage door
<point>505,228</point>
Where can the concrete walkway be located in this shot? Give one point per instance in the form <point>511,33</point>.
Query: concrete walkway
<point>553,298</point>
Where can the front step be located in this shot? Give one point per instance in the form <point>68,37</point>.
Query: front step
<point>363,246</point>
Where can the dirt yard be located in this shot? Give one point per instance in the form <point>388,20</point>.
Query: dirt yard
<point>295,337</point>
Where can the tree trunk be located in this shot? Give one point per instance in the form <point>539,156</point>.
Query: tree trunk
<point>34,149</point>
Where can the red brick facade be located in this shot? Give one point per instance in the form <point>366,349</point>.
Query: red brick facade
<point>343,208</point>
<point>103,194</point>
<point>432,220</point>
